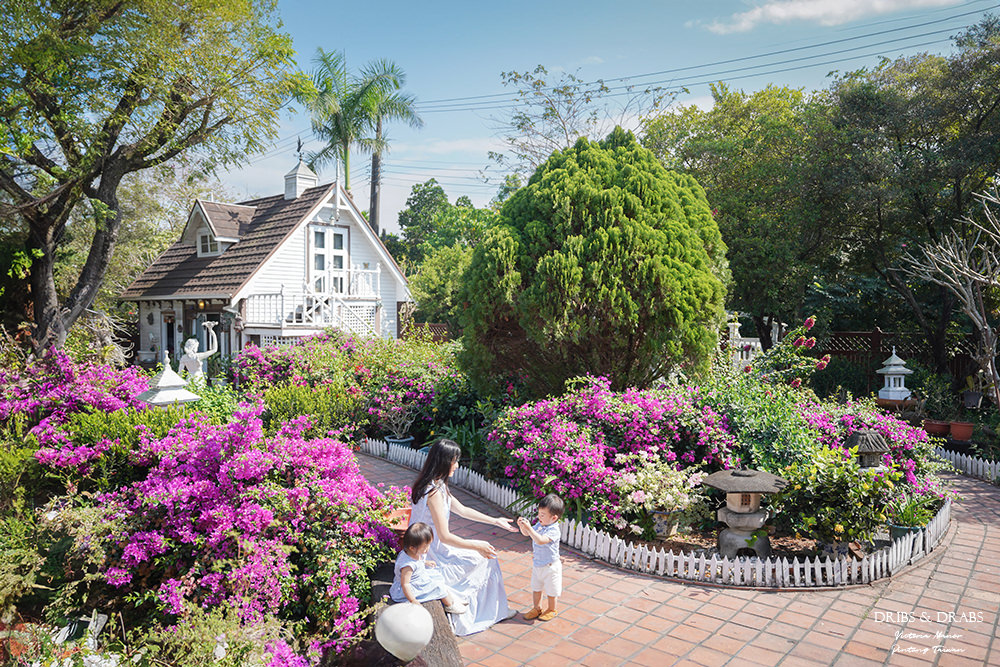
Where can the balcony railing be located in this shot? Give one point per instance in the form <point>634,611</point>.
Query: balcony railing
<point>307,308</point>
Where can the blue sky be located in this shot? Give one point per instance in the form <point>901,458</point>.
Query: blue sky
<point>459,49</point>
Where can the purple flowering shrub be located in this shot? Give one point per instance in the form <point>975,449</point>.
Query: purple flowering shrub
<point>47,392</point>
<point>568,445</point>
<point>279,525</point>
<point>401,382</point>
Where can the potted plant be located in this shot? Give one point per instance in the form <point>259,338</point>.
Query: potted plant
<point>656,499</point>
<point>396,405</point>
<point>908,513</point>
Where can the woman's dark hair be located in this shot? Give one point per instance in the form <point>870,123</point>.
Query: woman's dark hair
<point>437,466</point>
<point>417,535</point>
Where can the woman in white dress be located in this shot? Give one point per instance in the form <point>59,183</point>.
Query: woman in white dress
<point>469,567</point>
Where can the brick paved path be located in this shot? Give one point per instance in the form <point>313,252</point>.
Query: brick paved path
<point>611,617</point>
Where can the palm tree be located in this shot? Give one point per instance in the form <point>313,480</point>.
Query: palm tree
<point>339,116</point>
<point>349,111</point>
<point>389,104</point>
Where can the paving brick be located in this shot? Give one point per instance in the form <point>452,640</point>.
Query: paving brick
<point>611,617</point>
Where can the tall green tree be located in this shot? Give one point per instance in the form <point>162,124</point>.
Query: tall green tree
<point>916,137</point>
<point>605,263</point>
<point>756,156</point>
<point>349,111</point>
<point>91,91</point>
<point>416,221</point>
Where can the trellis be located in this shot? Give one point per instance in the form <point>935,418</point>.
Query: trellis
<point>820,571</point>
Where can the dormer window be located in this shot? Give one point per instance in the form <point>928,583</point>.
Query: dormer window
<point>207,245</point>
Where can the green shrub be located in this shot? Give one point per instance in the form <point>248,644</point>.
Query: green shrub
<point>843,375</point>
<point>123,428</point>
<point>331,408</point>
<point>832,499</point>
<point>606,264</point>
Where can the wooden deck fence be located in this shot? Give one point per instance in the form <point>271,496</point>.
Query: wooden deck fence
<point>820,571</point>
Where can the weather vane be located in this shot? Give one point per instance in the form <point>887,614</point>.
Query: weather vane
<point>299,149</point>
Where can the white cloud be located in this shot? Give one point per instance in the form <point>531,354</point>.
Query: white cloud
<point>824,12</point>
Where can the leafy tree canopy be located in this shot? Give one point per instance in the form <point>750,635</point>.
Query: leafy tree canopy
<point>438,283</point>
<point>754,156</point>
<point>93,90</point>
<point>605,263</point>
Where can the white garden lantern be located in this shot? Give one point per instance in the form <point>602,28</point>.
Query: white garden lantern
<point>167,387</point>
<point>895,371</point>
<point>404,630</point>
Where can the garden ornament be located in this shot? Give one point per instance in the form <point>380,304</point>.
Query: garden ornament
<point>404,630</point>
<point>742,512</point>
<point>192,358</point>
<point>871,447</point>
<point>895,371</point>
<point>167,387</point>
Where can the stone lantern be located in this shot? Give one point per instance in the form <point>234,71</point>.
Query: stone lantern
<point>742,513</point>
<point>871,447</point>
<point>167,387</point>
<point>895,371</point>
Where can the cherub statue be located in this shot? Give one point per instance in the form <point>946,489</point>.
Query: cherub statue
<point>192,358</point>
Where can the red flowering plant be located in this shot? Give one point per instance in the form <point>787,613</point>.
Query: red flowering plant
<point>789,362</point>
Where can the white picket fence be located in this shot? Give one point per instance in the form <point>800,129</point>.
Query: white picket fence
<point>972,466</point>
<point>768,573</point>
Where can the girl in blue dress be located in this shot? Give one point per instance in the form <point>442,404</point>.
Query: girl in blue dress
<point>469,567</point>
<point>417,579</point>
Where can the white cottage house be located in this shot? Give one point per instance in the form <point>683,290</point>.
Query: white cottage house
<point>268,271</point>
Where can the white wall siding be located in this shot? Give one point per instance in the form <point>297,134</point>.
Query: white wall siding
<point>286,267</point>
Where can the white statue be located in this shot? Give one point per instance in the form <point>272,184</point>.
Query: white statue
<point>192,358</point>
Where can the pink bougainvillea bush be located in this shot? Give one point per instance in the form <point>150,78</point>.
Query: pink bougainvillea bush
<point>587,444</point>
<point>46,393</point>
<point>278,525</point>
<point>579,445</point>
<point>399,384</point>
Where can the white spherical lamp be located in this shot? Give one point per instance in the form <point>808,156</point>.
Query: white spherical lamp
<point>404,630</point>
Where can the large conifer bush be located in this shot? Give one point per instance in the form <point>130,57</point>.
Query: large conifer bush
<point>605,263</point>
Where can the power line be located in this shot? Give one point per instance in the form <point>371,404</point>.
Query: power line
<point>740,59</point>
<point>681,86</point>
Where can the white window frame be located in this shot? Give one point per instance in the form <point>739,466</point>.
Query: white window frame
<point>207,239</point>
<point>317,276</point>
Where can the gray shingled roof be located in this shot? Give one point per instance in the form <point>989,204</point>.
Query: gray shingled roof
<point>179,272</point>
<point>229,220</point>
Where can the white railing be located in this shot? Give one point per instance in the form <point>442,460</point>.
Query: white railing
<point>754,572</point>
<point>312,309</point>
<point>353,283</point>
<point>972,466</point>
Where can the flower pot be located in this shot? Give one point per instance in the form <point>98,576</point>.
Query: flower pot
<point>896,532</point>
<point>934,427</point>
<point>399,520</point>
<point>402,442</point>
<point>665,523</point>
<point>972,399</point>
<point>961,431</point>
